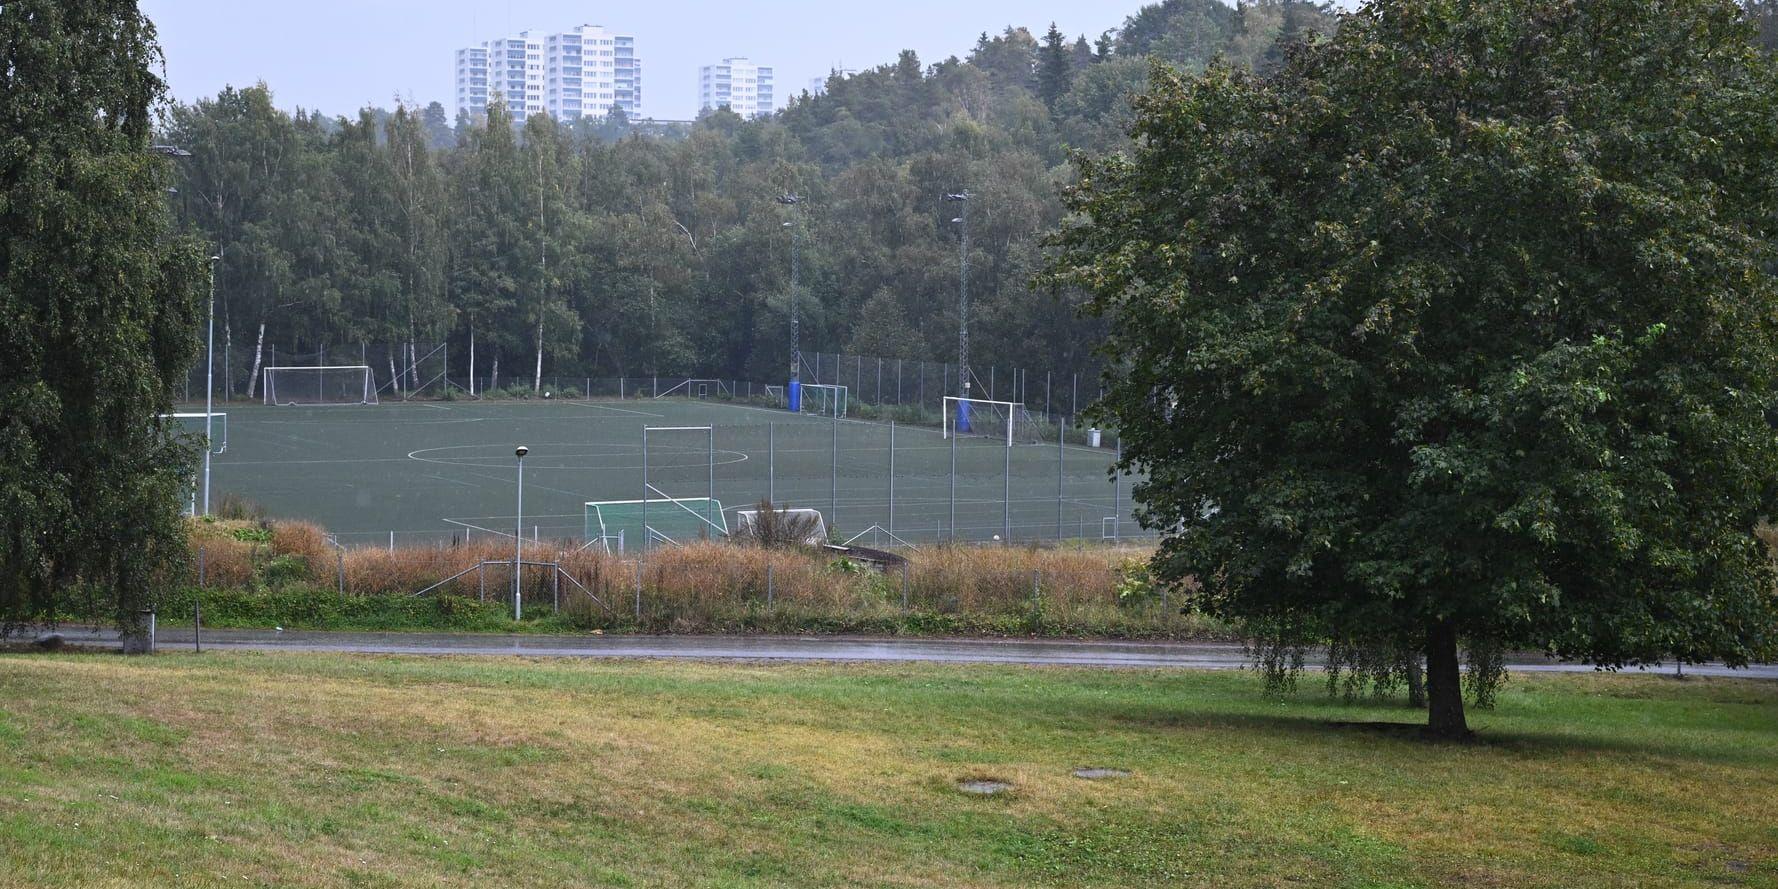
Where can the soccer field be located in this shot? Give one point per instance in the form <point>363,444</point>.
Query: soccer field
<point>433,471</point>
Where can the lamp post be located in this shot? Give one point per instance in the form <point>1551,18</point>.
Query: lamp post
<point>792,393</point>
<point>210,383</point>
<point>961,199</point>
<point>177,153</point>
<point>518,537</point>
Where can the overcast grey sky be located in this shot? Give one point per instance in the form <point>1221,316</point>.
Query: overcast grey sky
<point>339,55</point>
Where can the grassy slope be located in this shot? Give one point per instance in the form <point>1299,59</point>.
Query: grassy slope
<point>251,769</point>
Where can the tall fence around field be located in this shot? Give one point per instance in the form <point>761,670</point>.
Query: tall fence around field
<point>426,370</point>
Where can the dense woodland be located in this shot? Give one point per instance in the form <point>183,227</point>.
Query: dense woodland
<point>611,248</point>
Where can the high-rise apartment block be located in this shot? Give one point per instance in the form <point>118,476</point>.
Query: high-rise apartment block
<point>738,85</point>
<point>584,72</point>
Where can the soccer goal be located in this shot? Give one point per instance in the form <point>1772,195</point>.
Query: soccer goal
<point>699,389</point>
<point>348,384</point>
<point>787,525</point>
<point>824,399</point>
<point>195,424</point>
<point>1006,421</point>
<point>619,525</point>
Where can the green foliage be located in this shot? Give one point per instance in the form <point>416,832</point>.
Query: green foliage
<point>98,315</point>
<point>1458,329</point>
<point>252,535</point>
<point>615,247</point>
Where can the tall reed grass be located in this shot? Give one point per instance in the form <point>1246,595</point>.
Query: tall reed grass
<point>710,587</point>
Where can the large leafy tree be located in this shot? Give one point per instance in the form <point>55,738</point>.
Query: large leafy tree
<point>98,312</point>
<point>1459,331</point>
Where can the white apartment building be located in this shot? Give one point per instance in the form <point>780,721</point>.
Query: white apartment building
<point>590,70</point>
<point>583,72</point>
<point>738,85</point>
<point>511,68</point>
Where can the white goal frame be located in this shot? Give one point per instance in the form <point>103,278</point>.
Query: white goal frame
<point>833,399</point>
<point>215,415</point>
<point>1014,410</point>
<point>746,518</point>
<point>370,384</point>
<point>700,389</point>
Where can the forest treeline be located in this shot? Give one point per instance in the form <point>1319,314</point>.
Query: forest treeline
<point>612,248</point>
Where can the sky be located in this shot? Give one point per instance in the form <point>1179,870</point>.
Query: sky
<point>336,56</point>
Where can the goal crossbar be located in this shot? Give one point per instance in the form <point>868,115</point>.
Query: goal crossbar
<point>984,417</point>
<point>325,384</point>
<point>218,415</point>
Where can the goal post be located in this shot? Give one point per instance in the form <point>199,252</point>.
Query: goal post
<point>195,423</point>
<point>824,399</point>
<point>343,384</point>
<point>1004,421</point>
<point>636,524</point>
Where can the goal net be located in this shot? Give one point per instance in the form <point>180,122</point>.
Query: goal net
<point>349,384</point>
<point>824,400</point>
<point>777,526</point>
<point>1005,421</point>
<point>623,525</point>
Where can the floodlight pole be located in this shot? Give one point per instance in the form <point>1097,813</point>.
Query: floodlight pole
<point>518,537</point>
<point>792,201</point>
<point>962,198</point>
<point>210,383</point>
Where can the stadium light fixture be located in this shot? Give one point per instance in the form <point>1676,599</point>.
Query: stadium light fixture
<point>168,151</point>
<point>793,200</point>
<point>210,381</point>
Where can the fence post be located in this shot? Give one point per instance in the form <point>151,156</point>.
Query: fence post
<point>904,585</point>
<point>481,577</point>
<point>833,485</point>
<point>891,482</point>
<point>1006,498</point>
<point>772,463</point>
<point>197,624</point>
<point>639,588</point>
<point>340,568</point>
<point>1036,590</point>
<point>953,488</point>
<point>1062,457</point>
<point>201,567</point>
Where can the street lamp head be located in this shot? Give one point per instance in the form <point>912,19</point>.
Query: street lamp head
<point>215,259</point>
<point>521,451</point>
<point>168,151</point>
<point>786,225</point>
<point>957,221</point>
<point>956,196</point>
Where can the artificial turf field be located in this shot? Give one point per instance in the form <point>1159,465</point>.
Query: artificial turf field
<point>324,770</point>
<point>430,470</point>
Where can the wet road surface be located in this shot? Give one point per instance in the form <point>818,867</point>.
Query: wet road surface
<point>1149,655</point>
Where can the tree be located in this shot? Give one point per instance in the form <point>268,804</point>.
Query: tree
<point>99,310</point>
<point>1764,14</point>
<point>1055,68</point>
<point>1457,332</point>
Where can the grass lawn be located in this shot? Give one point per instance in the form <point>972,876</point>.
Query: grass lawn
<point>314,770</point>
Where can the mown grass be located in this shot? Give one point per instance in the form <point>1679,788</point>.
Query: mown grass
<point>296,770</point>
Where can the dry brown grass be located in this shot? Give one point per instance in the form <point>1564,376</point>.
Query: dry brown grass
<point>705,585</point>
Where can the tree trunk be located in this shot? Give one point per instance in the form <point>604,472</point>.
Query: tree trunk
<point>494,379</point>
<point>258,353</point>
<point>394,379</point>
<point>472,360</point>
<point>1416,682</point>
<point>1444,684</point>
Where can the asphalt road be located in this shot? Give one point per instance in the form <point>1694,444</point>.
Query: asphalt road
<point>1151,655</point>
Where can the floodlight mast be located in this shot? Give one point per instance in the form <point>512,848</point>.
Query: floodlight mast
<point>961,198</point>
<point>793,201</point>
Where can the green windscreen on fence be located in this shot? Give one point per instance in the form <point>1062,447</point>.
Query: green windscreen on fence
<point>673,522</point>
